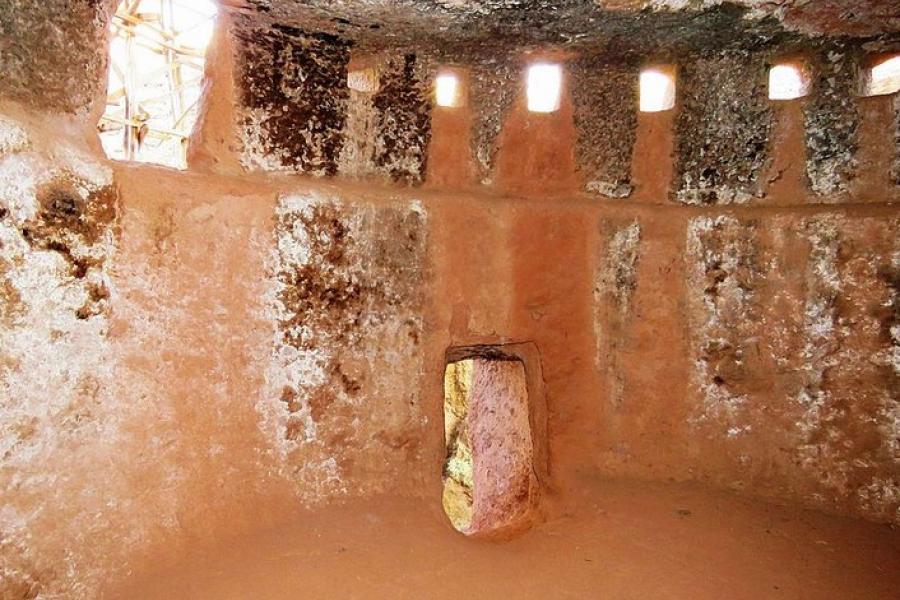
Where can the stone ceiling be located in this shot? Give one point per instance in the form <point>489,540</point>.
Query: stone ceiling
<point>616,23</point>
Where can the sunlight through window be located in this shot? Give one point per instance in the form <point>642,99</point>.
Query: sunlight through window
<point>157,61</point>
<point>788,82</point>
<point>657,89</point>
<point>544,88</point>
<point>883,78</point>
<point>446,89</point>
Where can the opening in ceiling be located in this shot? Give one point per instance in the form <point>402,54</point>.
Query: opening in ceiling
<point>156,67</point>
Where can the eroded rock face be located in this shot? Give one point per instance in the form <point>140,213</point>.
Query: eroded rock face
<point>895,167</point>
<point>606,105</point>
<point>615,283</point>
<point>53,53</point>
<point>58,215</point>
<point>626,24</point>
<point>832,122</point>
<point>808,365</point>
<point>722,132</point>
<point>495,86</point>
<point>403,121</point>
<point>341,389</point>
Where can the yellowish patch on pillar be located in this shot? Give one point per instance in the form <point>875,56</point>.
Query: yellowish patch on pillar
<point>458,468</point>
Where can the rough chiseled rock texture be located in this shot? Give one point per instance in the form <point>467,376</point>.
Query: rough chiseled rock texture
<point>357,157</point>
<point>53,52</point>
<point>614,285</point>
<point>800,374</point>
<point>342,389</point>
<point>293,95</point>
<point>832,122</point>
<point>722,131</point>
<point>298,114</point>
<point>626,25</point>
<point>606,104</point>
<point>58,215</point>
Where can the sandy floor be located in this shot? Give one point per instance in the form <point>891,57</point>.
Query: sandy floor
<point>625,540</point>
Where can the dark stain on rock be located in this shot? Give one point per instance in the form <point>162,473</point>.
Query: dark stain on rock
<point>331,297</point>
<point>70,222</point>
<point>96,303</point>
<point>732,273</point>
<point>350,386</point>
<point>290,399</point>
<point>10,298</point>
<point>294,428</point>
<point>63,208</point>
<point>293,93</point>
<point>403,126</point>
<point>722,129</point>
<point>320,401</point>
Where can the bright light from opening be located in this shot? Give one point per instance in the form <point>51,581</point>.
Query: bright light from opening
<point>157,61</point>
<point>787,82</point>
<point>544,87</point>
<point>446,90</point>
<point>657,89</point>
<point>884,78</point>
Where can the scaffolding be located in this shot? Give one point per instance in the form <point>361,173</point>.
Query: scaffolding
<point>157,60</point>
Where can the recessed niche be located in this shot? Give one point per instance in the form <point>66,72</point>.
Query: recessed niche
<point>657,88</point>
<point>490,486</point>
<point>789,81</point>
<point>156,69</point>
<point>447,90</point>
<point>883,77</point>
<point>544,87</point>
<point>364,80</point>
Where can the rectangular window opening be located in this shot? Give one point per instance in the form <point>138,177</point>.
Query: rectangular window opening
<point>883,77</point>
<point>657,88</point>
<point>447,90</point>
<point>157,59</point>
<point>544,87</point>
<point>789,81</point>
